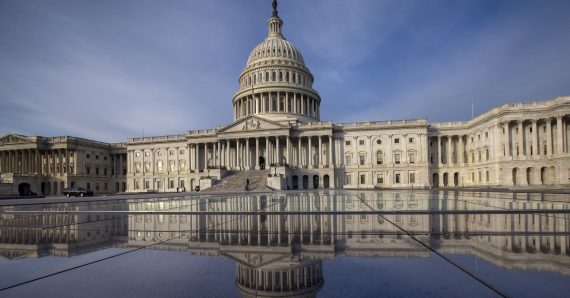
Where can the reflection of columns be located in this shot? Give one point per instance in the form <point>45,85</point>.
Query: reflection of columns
<point>548,136</point>
<point>535,140</point>
<point>559,137</point>
<point>520,150</point>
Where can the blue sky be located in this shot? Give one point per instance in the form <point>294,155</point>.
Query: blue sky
<point>107,69</point>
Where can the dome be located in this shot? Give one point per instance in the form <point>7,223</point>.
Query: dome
<point>275,48</point>
<point>276,84</point>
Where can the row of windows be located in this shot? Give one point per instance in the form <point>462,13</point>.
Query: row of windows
<point>380,158</point>
<point>160,166</point>
<point>380,178</point>
<point>159,153</point>
<point>274,77</point>
<point>379,142</point>
<point>146,184</point>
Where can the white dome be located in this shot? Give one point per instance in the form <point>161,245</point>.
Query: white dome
<point>275,48</point>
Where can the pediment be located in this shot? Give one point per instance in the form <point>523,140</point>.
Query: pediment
<point>256,259</point>
<point>15,139</point>
<point>252,123</point>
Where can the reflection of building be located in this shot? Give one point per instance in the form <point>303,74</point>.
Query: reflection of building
<point>45,234</point>
<point>277,121</point>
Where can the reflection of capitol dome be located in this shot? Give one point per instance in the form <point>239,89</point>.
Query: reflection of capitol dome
<point>281,279</point>
<point>275,83</point>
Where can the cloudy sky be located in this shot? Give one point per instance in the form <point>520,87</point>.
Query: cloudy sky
<point>108,69</point>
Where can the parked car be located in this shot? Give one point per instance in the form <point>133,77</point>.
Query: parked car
<point>77,191</point>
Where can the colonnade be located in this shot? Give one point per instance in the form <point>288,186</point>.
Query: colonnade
<point>277,102</point>
<point>302,277</point>
<point>534,137</point>
<point>245,153</point>
<point>32,161</point>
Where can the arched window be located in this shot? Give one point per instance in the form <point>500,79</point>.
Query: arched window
<point>255,79</point>
<point>379,157</point>
<point>267,76</point>
<point>280,76</point>
<point>273,77</point>
<point>287,77</point>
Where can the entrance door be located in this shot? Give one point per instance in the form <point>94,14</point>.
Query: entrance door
<point>24,189</point>
<point>262,162</point>
<point>316,181</point>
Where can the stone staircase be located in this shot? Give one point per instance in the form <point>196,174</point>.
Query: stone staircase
<point>235,181</point>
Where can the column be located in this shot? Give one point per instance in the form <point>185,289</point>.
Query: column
<point>299,155</point>
<point>267,161</point>
<point>288,144</point>
<point>330,159</point>
<point>278,154</point>
<point>548,136</point>
<point>247,154</point>
<point>67,161</point>
<point>459,155</point>
<point>499,146</point>
<point>439,153</point>
<point>256,157</point>
<point>535,140</point>
<point>449,148</point>
<point>559,136</point>
<point>320,155</point>
<point>309,154</point>
<point>521,138</point>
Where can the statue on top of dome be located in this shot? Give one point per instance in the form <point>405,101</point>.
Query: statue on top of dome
<point>275,14</point>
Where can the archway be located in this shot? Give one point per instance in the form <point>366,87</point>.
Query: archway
<point>542,176</point>
<point>435,180</point>
<point>326,181</point>
<point>456,179</point>
<point>529,176</point>
<point>24,189</point>
<point>262,162</point>
<point>515,172</point>
<point>305,182</point>
<point>316,181</point>
<point>295,182</point>
<point>445,179</point>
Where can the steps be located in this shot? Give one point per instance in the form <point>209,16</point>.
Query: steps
<point>235,181</point>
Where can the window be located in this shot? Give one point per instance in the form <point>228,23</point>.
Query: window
<point>397,141</point>
<point>137,168</point>
<point>362,179</point>
<point>182,165</point>
<point>88,170</point>
<point>361,142</point>
<point>96,186</point>
<point>348,159</point>
<point>137,184</point>
<point>412,177</point>
<point>411,140</point>
<point>182,183</point>
<point>397,178</point>
<point>96,171</point>
<point>105,172</point>
<point>88,185</point>
<point>147,167</point>
<point>362,159</point>
<point>379,157</point>
<point>172,166</point>
<point>486,134</point>
<point>159,153</point>
<point>487,154</point>
<point>348,179</point>
<point>347,143</point>
<point>146,184</point>
<point>412,157</point>
<point>147,153</point>
<point>487,176</point>
<point>397,157</point>
<point>380,178</point>
<point>96,156</point>
<point>106,186</point>
<point>138,154</point>
<point>378,141</point>
<point>159,165</point>
<point>171,152</point>
<point>88,156</point>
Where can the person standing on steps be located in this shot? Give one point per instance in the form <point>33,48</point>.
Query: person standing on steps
<point>246,184</point>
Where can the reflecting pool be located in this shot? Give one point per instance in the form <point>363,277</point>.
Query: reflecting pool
<point>289,244</point>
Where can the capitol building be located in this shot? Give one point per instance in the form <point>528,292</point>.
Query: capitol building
<point>277,131</point>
